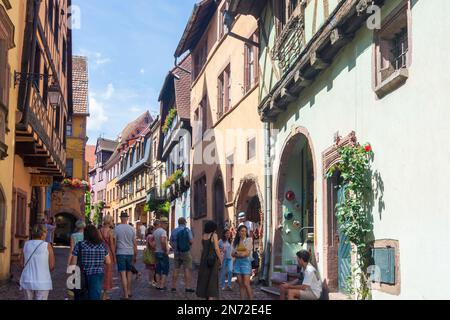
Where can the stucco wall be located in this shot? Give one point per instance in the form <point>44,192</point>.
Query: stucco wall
<point>243,117</point>
<point>17,16</point>
<point>408,130</point>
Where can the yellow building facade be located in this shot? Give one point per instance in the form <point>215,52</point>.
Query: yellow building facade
<point>112,189</point>
<point>12,20</point>
<point>76,127</point>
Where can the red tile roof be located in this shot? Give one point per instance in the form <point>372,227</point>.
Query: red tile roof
<point>90,156</point>
<point>183,89</point>
<point>80,85</point>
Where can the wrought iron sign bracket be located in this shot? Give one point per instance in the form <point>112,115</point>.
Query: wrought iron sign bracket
<point>20,77</point>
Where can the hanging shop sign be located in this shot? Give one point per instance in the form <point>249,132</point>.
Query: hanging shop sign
<point>41,181</point>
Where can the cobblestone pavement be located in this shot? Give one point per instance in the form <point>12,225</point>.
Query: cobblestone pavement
<point>141,289</point>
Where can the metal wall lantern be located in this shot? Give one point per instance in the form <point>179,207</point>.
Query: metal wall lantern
<point>54,96</point>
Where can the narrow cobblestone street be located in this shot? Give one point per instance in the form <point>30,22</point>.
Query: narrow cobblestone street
<point>141,289</point>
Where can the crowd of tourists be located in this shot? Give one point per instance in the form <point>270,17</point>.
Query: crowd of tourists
<point>95,251</point>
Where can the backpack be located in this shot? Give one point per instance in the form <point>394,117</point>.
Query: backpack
<point>183,241</point>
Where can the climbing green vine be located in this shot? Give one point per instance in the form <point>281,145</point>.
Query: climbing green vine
<point>353,212</point>
<point>169,120</point>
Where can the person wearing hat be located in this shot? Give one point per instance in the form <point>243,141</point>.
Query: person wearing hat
<point>248,224</point>
<point>162,254</point>
<point>126,253</point>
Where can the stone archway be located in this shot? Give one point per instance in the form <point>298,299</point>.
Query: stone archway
<point>65,225</point>
<point>249,199</point>
<point>296,199</point>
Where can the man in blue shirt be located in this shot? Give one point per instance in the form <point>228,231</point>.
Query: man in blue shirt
<point>181,242</point>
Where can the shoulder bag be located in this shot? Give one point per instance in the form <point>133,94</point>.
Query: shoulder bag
<point>211,259</point>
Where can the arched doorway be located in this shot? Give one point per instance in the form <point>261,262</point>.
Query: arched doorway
<point>249,201</point>
<point>219,205</point>
<point>65,226</point>
<point>296,200</point>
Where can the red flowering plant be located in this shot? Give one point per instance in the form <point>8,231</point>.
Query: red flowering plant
<point>76,184</point>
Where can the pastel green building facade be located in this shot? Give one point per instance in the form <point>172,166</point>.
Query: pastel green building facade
<point>407,128</point>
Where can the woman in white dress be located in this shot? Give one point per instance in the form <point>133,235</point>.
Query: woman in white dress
<point>37,260</point>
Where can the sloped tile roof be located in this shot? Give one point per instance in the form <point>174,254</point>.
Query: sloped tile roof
<point>183,89</point>
<point>80,85</point>
<point>90,156</point>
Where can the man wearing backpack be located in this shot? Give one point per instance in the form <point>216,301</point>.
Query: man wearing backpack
<point>181,242</point>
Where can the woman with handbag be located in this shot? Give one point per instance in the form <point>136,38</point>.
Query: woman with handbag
<point>109,242</point>
<point>242,252</point>
<point>38,260</point>
<point>93,257</point>
<point>149,257</point>
<point>211,260</point>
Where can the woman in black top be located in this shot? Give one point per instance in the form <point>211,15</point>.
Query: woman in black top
<point>208,280</point>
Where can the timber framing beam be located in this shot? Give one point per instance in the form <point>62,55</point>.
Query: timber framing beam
<point>317,56</point>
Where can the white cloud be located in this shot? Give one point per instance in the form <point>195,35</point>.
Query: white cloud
<point>97,115</point>
<point>136,109</point>
<point>142,71</point>
<point>96,59</point>
<point>109,91</point>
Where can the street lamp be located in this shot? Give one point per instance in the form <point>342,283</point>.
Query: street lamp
<point>54,96</point>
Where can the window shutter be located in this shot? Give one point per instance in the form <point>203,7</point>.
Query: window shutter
<point>246,68</point>
<point>256,56</point>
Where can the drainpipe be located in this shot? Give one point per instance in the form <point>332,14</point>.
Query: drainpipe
<point>25,108</point>
<point>267,204</point>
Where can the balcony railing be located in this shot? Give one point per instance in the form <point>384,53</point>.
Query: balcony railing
<point>41,120</point>
<point>290,42</point>
<point>169,134</point>
<point>157,193</point>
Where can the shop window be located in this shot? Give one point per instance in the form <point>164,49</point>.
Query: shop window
<point>392,52</point>
<point>200,198</point>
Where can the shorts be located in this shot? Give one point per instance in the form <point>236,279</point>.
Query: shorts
<point>162,264</point>
<point>308,295</point>
<point>124,263</point>
<point>183,259</point>
<point>243,267</point>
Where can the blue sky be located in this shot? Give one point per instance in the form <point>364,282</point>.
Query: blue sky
<point>130,46</point>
